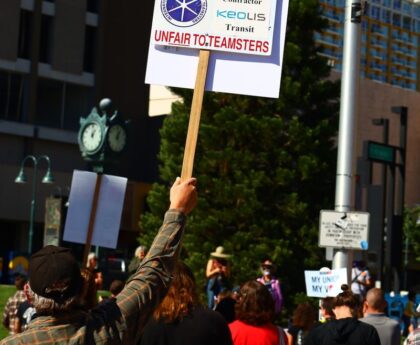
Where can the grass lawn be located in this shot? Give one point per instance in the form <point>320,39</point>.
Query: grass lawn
<point>5,292</point>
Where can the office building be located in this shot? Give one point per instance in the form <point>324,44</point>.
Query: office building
<point>58,59</point>
<point>390,40</point>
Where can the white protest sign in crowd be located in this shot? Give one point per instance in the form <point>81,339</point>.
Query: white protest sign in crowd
<point>240,26</point>
<point>108,212</point>
<point>325,282</point>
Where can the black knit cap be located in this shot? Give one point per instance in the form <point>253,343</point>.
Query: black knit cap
<point>54,273</point>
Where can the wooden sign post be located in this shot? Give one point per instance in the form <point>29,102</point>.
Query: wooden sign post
<point>92,218</point>
<point>195,114</point>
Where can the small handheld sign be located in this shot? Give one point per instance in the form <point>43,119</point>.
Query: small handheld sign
<point>325,282</point>
<point>95,208</point>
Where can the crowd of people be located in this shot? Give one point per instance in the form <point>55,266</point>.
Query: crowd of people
<point>159,303</point>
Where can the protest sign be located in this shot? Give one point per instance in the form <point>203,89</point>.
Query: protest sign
<point>245,73</point>
<point>325,283</point>
<point>238,26</point>
<point>95,208</point>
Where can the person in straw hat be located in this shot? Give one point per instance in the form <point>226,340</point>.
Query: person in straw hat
<point>217,274</point>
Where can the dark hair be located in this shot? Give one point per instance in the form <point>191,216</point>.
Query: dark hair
<point>20,281</point>
<point>266,258</point>
<point>181,297</point>
<point>304,316</point>
<point>327,303</point>
<point>411,295</point>
<point>88,292</point>
<point>348,299</point>
<point>255,305</point>
<point>116,287</point>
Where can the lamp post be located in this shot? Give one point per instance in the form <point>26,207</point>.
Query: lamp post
<point>21,178</point>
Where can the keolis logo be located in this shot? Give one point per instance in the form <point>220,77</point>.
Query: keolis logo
<point>241,15</point>
<point>183,12</point>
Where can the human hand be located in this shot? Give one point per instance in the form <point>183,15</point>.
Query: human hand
<point>183,195</point>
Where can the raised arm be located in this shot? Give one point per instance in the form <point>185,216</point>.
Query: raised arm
<point>147,287</point>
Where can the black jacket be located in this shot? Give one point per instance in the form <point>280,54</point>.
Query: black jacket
<point>200,327</point>
<point>348,331</point>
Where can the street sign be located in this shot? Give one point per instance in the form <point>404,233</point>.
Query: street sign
<point>344,229</point>
<point>381,152</point>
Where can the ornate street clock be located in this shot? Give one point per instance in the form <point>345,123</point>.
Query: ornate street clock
<point>102,137</point>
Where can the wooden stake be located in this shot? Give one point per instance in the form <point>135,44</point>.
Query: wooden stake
<point>92,218</point>
<point>194,123</point>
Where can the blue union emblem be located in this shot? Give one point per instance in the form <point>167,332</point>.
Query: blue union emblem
<point>183,12</point>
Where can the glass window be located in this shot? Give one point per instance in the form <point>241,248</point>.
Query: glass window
<point>397,4</point>
<point>375,12</point>
<point>12,86</point>
<point>417,26</point>
<point>92,6</point>
<point>49,102</point>
<point>90,49</point>
<point>60,105</point>
<point>45,45</point>
<point>407,23</point>
<point>386,16</point>
<point>396,19</point>
<point>79,102</point>
<point>25,34</point>
<point>406,6</point>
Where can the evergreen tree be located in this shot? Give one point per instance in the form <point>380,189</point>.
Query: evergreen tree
<point>412,232</point>
<point>265,167</point>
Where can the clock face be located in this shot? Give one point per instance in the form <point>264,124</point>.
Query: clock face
<point>92,137</point>
<point>117,138</point>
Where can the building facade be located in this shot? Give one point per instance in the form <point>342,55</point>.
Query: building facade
<point>390,40</point>
<point>58,59</point>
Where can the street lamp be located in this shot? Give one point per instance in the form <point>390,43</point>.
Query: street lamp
<point>21,178</point>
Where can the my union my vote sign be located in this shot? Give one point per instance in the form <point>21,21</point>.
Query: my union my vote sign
<point>239,26</point>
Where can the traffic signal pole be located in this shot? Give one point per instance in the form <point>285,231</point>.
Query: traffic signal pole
<point>348,110</point>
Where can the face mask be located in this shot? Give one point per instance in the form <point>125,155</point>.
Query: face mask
<point>266,272</point>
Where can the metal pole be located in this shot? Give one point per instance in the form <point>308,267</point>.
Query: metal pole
<point>32,214</point>
<point>389,226</point>
<point>348,106</point>
<point>384,196</point>
<point>403,112</point>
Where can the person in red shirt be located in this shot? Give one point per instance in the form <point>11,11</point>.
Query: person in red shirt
<point>255,314</point>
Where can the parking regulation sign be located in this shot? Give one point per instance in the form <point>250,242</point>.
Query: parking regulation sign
<point>240,26</point>
<point>344,229</point>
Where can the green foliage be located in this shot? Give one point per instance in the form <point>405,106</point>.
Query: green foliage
<point>265,167</point>
<point>5,292</point>
<point>412,230</point>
